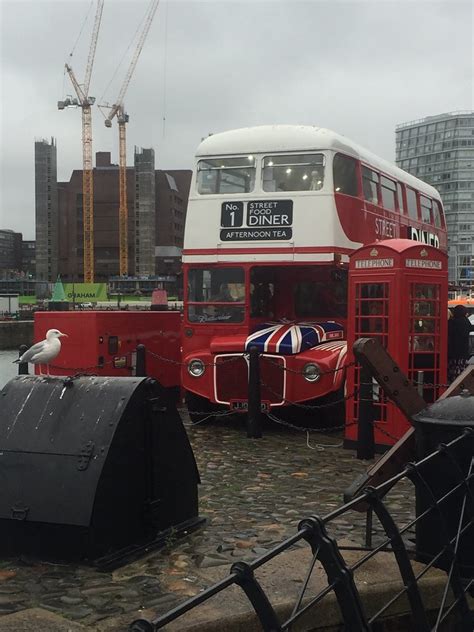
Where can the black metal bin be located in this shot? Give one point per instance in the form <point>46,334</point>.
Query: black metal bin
<point>446,527</point>
<point>92,467</point>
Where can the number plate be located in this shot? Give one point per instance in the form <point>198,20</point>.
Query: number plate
<point>242,406</point>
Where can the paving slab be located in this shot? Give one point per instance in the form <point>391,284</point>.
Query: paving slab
<point>282,578</point>
<point>253,494</point>
<point>37,620</point>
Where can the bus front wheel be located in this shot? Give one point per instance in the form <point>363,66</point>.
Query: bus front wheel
<point>199,408</point>
<point>334,412</point>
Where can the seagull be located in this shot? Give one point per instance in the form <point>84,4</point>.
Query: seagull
<point>43,352</point>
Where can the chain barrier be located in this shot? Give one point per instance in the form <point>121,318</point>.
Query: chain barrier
<point>310,406</point>
<point>327,429</point>
<point>234,358</point>
<point>300,372</point>
<point>383,431</point>
<point>81,371</point>
<point>209,415</point>
<point>179,363</point>
<point>286,369</point>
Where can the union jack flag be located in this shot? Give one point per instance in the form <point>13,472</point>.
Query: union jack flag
<point>291,338</point>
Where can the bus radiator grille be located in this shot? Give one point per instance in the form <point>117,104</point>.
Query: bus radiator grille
<point>231,378</point>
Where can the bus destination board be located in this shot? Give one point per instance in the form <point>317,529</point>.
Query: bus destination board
<point>266,220</point>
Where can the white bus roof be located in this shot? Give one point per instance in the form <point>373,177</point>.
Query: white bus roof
<point>265,139</point>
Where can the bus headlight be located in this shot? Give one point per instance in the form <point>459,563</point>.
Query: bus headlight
<point>311,372</point>
<point>196,368</point>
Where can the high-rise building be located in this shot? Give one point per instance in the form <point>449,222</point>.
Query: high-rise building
<point>10,252</point>
<point>440,150</point>
<point>156,203</point>
<point>144,212</point>
<point>28,257</point>
<point>172,188</point>
<point>46,208</point>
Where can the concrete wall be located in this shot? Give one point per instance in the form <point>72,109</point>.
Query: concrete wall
<point>16,333</point>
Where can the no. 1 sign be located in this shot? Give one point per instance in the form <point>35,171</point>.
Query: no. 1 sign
<point>232,214</point>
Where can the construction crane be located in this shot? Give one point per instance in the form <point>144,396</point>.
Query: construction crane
<point>118,110</point>
<point>84,101</point>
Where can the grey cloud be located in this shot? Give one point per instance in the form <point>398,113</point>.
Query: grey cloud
<point>356,67</point>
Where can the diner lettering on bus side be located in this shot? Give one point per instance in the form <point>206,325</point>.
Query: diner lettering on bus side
<point>374,263</point>
<point>423,263</point>
<point>266,220</point>
<point>417,234</point>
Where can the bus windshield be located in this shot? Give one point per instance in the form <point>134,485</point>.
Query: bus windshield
<point>216,295</point>
<point>302,172</point>
<point>226,175</point>
<point>295,293</point>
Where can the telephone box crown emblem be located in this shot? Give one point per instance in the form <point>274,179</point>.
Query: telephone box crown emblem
<point>374,252</point>
<point>424,253</point>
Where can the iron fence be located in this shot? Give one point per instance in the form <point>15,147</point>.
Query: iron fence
<point>453,555</point>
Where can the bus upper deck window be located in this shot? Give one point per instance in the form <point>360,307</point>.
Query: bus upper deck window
<point>412,203</point>
<point>302,172</point>
<point>370,180</point>
<point>401,205</point>
<point>388,193</point>
<point>426,205</point>
<point>226,175</point>
<point>437,213</point>
<point>345,174</point>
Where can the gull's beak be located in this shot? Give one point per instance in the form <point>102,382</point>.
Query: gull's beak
<point>64,335</point>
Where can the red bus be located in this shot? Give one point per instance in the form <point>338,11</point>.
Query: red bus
<point>273,214</point>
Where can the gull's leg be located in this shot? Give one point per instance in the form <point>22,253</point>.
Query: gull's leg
<point>40,372</point>
<point>47,370</point>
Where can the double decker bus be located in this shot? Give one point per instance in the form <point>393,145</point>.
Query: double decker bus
<point>273,214</point>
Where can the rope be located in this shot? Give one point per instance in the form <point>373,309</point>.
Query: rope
<point>327,429</point>
<point>165,68</point>
<point>140,25</point>
<point>81,29</point>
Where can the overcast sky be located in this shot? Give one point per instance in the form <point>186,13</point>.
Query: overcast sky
<point>357,67</point>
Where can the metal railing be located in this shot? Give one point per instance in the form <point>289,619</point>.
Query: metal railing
<point>353,606</point>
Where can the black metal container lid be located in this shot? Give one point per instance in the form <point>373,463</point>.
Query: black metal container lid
<point>454,411</point>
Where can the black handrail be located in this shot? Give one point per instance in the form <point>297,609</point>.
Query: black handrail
<point>339,574</point>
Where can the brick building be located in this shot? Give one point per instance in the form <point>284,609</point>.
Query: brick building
<point>10,252</point>
<point>46,211</point>
<point>156,213</point>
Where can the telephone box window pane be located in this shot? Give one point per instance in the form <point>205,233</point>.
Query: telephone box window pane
<point>372,309</point>
<point>412,203</point>
<point>424,338</point>
<point>345,175</point>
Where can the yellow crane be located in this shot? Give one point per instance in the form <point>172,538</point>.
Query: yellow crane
<point>118,110</point>
<point>84,101</point>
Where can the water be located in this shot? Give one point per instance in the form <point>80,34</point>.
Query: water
<point>7,369</point>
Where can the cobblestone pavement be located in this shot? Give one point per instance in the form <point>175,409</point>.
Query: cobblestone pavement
<point>253,494</point>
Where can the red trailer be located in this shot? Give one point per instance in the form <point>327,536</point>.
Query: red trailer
<point>105,342</point>
<point>398,294</point>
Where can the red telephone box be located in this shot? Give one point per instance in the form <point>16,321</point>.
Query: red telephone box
<point>398,293</point>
